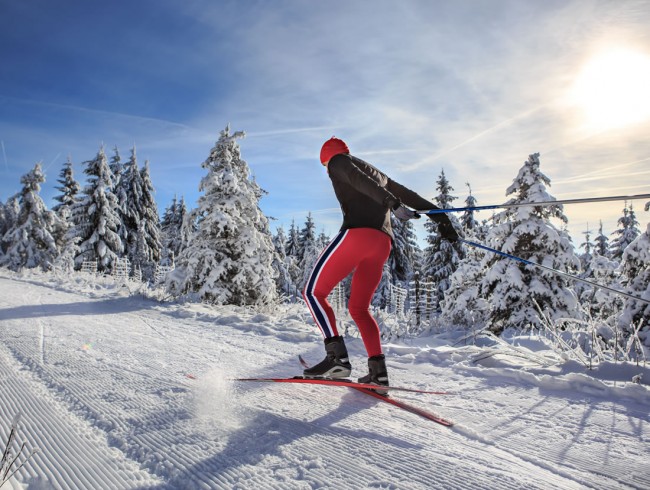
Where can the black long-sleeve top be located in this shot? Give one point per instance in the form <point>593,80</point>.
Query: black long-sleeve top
<point>367,195</point>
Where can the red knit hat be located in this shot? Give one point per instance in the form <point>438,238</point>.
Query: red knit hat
<point>331,147</point>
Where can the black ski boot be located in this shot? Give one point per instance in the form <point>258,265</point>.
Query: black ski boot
<point>377,373</point>
<point>336,363</point>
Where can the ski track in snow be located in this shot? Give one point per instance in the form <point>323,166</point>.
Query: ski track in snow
<point>124,392</point>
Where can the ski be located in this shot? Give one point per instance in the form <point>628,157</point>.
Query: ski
<point>366,388</point>
<point>406,406</point>
<point>340,382</point>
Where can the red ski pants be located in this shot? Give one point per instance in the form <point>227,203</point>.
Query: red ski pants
<point>364,251</point>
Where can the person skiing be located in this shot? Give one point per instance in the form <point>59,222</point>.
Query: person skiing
<point>366,196</point>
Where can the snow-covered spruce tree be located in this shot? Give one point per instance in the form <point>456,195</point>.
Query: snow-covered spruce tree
<point>441,258</point>
<point>308,249</point>
<point>636,273</point>
<point>95,217</point>
<point>229,258</point>
<point>10,212</point>
<point>601,245</point>
<point>171,229</point>
<point>467,220</point>
<point>35,237</point>
<point>69,189</point>
<point>513,288</point>
<point>602,305</point>
<point>116,167</point>
<point>292,251</point>
<point>130,191</point>
<point>149,251</point>
<point>626,233</point>
<point>589,249</point>
<point>283,281</point>
<point>463,303</point>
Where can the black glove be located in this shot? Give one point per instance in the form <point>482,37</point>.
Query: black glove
<point>403,213</point>
<point>447,231</point>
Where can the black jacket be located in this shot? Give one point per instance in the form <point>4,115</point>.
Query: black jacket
<point>367,195</point>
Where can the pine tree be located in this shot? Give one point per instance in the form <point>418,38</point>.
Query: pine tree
<point>467,220</point>
<point>171,229</point>
<point>116,170</point>
<point>95,217</point>
<point>283,281</point>
<point>588,247</point>
<point>441,257</point>
<point>229,258</point>
<point>292,250</point>
<point>626,234</point>
<point>69,189</point>
<point>35,237</point>
<point>636,271</point>
<point>601,304</point>
<point>131,190</point>
<point>513,289</point>
<point>10,212</point>
<point>602,243</point>
<point>308,249</point>
<point>149,249</point>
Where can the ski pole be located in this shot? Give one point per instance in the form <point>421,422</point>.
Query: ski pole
<point>565,274</point>
<point>541,203</point>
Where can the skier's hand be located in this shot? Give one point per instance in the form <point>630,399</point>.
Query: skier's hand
<point>447,231</point>
<point>403,213</point>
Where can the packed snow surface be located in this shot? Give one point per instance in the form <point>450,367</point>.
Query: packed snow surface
<point>119,391</point>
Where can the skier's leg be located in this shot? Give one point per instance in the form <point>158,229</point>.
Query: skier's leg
<point>334,263</point>
<point>365,280</point>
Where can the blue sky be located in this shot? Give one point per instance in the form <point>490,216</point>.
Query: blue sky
<point>469,86</point>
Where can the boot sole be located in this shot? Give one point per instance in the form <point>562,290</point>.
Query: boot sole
<point>335,372</point>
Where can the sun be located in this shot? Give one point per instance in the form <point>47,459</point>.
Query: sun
<point>613,89</point>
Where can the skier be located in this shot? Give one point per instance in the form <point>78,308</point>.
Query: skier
<point>366,196</point>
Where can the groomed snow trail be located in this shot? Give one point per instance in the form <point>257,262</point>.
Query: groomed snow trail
<point>123,392</point>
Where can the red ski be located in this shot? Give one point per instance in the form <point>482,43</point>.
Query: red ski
<point>408,407</point>
<point>340,382</point>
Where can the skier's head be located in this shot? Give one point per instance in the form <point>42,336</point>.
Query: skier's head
<point>331,147</point>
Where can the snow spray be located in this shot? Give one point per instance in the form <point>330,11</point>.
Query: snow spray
<point>215,402</point>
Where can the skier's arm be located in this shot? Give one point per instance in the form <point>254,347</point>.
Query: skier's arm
<point>408,197</point>
<point>343,169</point>
<point>414,200</point>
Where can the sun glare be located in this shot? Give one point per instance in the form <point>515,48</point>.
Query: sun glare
<point>613,89</point>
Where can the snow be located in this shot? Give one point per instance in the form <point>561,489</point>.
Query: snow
<point>120,391</point>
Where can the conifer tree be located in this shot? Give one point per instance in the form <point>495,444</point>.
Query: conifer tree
<point>636,273</point>
<point>601,242</point>
<point>171,229</point>
<point>149,249</point>
<point>467,220</point>
<point>513,289</point>
<point>131,190</point>
<point>116,170</point>
<point>229,258</point>
<point>441,257</point>
<point>626,233</point>
<point>308,249</point>
<point>292,250</point>
<point>35,237</point>
<point>589,249</point>
<point>10,212</point>
<point>69,189</point>
<point>95,216</point>
<point>283,281</point>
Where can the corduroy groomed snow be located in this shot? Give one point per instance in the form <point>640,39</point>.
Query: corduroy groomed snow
<point>331,147</point>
